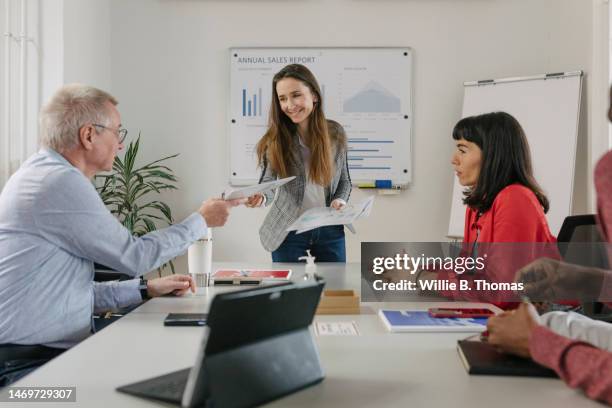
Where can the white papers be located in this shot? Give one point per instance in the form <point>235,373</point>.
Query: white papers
<point>323,216</point>
<point>336,329</point>
<point>245,192</point>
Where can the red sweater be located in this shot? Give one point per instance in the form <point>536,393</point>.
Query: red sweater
<point>579,364</point>
<point>516,216</point>
<point>603,186</point>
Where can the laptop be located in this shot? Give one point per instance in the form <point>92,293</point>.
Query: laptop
<point>257,347</point>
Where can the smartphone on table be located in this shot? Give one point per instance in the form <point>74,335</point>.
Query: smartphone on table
<point>186,319</point>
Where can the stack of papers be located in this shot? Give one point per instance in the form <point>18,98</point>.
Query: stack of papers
<point>323,216</point>
<point>336,329</point>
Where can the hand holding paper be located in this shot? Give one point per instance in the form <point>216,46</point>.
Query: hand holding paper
<point>323,216</point>
<point>245,192</point>
<point>254,201</point>
<point>338,204</point>
<point>216,211</point>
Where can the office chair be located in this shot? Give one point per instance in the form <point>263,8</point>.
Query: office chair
<point>104,274</point>
<point>582,229</point>
<point>17,361</point>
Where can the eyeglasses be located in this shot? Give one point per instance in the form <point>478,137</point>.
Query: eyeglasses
<point>121,132</point>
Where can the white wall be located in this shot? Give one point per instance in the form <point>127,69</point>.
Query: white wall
<point>74,44</point>
<point>52,47</point>
<point>87,53</point>
<point>21,97</point>
<point>169,69</point>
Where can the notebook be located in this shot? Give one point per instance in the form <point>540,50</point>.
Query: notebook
<point>483,359</point>
<point>421,321</point>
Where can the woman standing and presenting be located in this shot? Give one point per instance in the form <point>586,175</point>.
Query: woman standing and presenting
<point>301,142</point>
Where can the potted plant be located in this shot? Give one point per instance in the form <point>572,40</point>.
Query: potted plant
<point>130,192</point>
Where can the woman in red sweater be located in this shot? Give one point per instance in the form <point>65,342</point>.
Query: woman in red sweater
<point>504,202</point>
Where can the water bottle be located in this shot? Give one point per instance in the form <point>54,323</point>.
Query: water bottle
<point>199,259</point>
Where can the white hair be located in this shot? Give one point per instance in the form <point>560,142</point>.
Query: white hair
<point>72,107</point>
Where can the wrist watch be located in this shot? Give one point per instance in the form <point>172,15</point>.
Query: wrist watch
<point>142,287</point>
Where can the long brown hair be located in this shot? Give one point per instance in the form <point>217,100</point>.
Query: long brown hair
<point>506,158</point>
<point>274,148</point>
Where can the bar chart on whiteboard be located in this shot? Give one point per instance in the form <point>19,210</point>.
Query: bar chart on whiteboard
<point>366,90</point>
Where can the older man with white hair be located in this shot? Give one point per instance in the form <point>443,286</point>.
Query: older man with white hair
<point>54,226</point>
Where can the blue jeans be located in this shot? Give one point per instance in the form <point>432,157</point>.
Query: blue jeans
<point>325,243</point>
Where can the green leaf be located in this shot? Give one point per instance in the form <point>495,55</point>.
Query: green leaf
<point>131,193</point>
<point>155,217</point>
<point>162,207</point>
<point>150,224</point>
<point>158,161</point>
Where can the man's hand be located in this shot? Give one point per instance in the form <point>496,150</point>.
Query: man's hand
<point>338,204</point>
<point>215,210</point>
<point>511,330</point>
<point>178,285</point>
<point>256,200</point>
<point>552,280</point>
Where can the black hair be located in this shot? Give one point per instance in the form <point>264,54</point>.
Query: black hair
<point>506,158</point>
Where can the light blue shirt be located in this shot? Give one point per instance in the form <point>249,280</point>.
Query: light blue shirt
<point>53,226</point>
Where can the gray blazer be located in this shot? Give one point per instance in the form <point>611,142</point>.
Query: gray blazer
<point>288,201</point>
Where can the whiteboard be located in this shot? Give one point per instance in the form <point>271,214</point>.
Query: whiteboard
<point>367,90</point>
<point>547,107</point>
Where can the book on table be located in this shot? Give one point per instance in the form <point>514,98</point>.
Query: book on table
<point>265,275</point>
<point>421,321</point>
<point>481,358</point>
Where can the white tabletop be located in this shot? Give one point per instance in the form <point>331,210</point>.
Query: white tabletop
<point>376,368</point>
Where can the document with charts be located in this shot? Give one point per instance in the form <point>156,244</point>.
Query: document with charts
<point>323,216</point>
<point>245,192</point>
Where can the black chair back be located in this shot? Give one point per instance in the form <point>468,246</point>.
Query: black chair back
<point>104,274</point>
<point>575,233</point>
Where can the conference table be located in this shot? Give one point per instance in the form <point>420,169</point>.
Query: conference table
<point>373,368</point>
